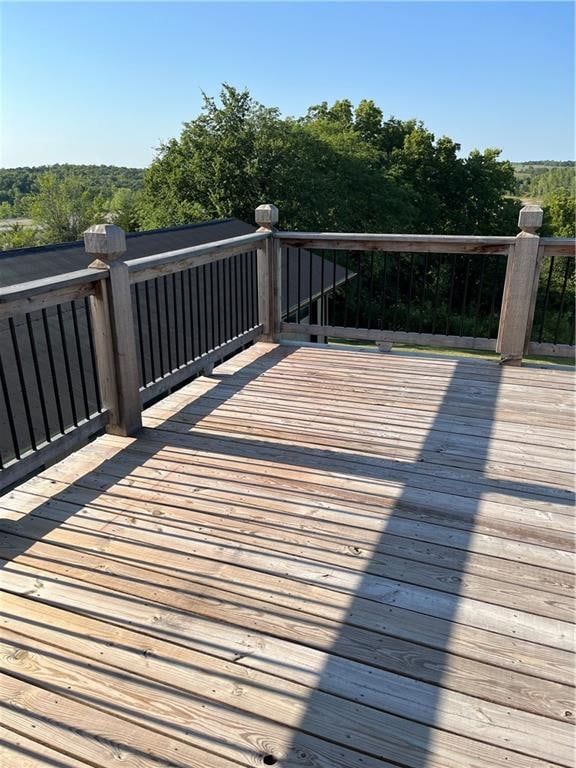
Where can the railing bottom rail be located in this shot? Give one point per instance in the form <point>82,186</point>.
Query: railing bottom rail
<point>180,375</point>
<point>393,337</point>
<point>49,453</point>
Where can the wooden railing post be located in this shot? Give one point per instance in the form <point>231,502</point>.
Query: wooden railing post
<point>269,277</point>
<point>114,337</point>
<point>520,287</point>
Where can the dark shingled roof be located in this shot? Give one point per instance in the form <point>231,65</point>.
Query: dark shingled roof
<point>22,264</point>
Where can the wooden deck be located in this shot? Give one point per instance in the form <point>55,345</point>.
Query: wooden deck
<point>313,557</point>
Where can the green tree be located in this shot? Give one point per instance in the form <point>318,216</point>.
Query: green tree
<point>19,236</point>
<point>335,168</point>
<point>64,208</point>
<point>124,209</point>
<point>560,214</point>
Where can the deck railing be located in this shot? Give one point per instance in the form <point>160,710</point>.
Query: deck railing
<point>488,293</point>
<point>87,350</point>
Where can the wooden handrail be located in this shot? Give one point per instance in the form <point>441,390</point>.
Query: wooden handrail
<point>159,264</point>
<point>465,244</point>
<point>558,246</point>
<point>21,298</point>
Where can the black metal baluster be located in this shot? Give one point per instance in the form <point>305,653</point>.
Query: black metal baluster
<point>198,310</point>
<point>449,310</point>
<point>168,324</point>
<point>320,317</point>
<point>371,290</point>
<point>493,299</point>
<point>299,276</point>
<point>546,298</point>
<point>479,299</point>
<point>244,292</point>
<point>144,379</point>
<point>562,296</point>
<point>410,289</point>
<point>221,302</point>
<point>360,260</point>
<point>185,358</point>
<point>9,412</point>
<point>42,396</point>
<point>436,291</point>
<point>422,307</point>
<point>346,288</point>
<point>175,316</point>
<point>22,380</point>
<point>397,299</point>
<point>93,360</point>
<point>52,366</point>
<point>191,316</point>
<point>236,298</point>
<point>383,305</point>
<point>80,360</point>
<point>224,291</point>
<point>288,292</point>
<point>310,289</point>
<point>333,287</point>
<point>230,281</point>
<point>206,310</point>
<point>213,306</point>
<point>254,320</point>
<point>150,331</point>
<point>67,365</point>
<point>464,295</point>
<point>159,327</point>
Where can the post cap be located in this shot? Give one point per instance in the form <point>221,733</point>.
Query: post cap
<point>530,218</point>
<point>266,215</point>
<point>106,241</point>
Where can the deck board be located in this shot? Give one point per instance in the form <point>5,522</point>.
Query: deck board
<point>315,556</point>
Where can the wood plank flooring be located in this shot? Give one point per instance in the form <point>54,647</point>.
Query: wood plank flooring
<point>313,557</point>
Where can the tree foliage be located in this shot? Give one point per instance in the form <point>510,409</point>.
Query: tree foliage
<point>17,184</point>
<point>64,208</point>
<point>338,167</point>
<point>560,214</point>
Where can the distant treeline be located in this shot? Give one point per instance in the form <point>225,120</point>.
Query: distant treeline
<point>16,184</point>
<point>537,179</point>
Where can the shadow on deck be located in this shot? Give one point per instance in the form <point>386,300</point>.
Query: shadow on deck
<point>311,558</point>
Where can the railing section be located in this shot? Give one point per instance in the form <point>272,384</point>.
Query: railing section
<point>50,396</point>
<point>86,351</point>
<point>446,299</point>
<point>183,317</point>
<point>554,321</point>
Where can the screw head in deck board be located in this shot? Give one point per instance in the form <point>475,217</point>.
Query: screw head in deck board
<point>266,215</point>
<point>105,241</point>
<point>530,218</point>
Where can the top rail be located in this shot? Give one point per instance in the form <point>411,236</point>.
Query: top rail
<point>22,298</point>
<point>558,246</point>
<point>148,267</point>
<point>398,243</point>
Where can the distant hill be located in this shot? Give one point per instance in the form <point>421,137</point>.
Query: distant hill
<point>537,178</point>
<point>15,183</point>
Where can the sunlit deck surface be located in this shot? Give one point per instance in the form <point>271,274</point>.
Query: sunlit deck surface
<point>312,557</point>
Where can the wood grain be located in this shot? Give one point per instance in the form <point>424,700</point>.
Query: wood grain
<point>325,558</point>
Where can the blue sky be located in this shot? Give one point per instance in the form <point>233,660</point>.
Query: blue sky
<point>107,82</point>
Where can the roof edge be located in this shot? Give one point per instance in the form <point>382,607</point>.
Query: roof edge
<point>129,236</point>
